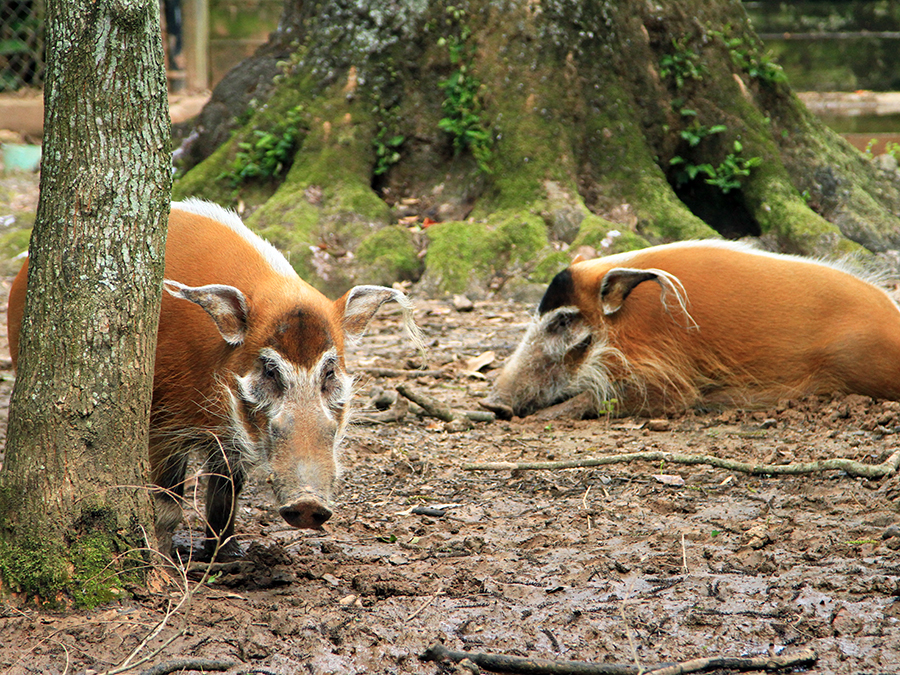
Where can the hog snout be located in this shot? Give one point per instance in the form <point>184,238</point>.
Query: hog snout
<point>307,512</point>
<point>498,406</point>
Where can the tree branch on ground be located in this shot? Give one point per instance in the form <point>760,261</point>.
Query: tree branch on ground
<point>460,420</point>
<point>187,664</point>
<point>500,663</point>
<point>849,466</point>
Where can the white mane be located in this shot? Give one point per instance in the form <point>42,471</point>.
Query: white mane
<point>232,220</point>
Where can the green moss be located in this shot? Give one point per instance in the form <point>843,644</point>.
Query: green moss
<point>463,253</point>
<point>517,236</point>
<point>387,256</point>
<point>36,568</point>
<point>595,232</point>
<point>455,252</point>
<point>290,227</point>
<point>202,181</point>
<point>95,575</point>
<point>211,179</point>
<point>549,265</point>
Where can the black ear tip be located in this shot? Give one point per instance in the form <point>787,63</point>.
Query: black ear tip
<point>559,293</point>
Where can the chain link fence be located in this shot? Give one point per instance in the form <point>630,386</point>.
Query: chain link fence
<point>21,44</point>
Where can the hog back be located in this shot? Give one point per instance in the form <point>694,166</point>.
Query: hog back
<point>765,318</point>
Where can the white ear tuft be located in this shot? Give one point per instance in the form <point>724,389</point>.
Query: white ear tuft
<point>361,303</point>
<point>225,304</point>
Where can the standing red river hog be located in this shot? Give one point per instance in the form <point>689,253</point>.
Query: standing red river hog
<point>249,369</point>
<point>719,324</point>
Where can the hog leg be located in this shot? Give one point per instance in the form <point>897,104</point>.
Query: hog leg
<point>169,477</point>
<point>225,483</point>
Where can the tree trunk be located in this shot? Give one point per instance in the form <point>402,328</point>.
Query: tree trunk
<point>529,129</point>
<point>74,512</point>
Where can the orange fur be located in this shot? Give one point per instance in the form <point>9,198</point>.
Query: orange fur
<point>767,326</point>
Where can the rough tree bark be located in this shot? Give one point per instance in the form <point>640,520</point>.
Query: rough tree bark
<point>525,128</point>
<point>74,512</point>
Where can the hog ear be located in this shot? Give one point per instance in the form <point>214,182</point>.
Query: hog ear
<point>620,281</point>
<point>358,305</point>
<point>225,304</point>
<point>618,284</point>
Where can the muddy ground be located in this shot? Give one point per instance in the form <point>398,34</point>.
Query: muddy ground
<point>617,564</point>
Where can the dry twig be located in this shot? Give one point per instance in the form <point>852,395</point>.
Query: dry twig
<point>396,372</point>
<point>801,658</point>
<point>187,664</point>
<point>849,466</point>
<point>428,403</point>
<point>500,663</point>
<point>512,664</point>
<point>434,408</point>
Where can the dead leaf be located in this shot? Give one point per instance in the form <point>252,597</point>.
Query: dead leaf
<point>478,362</point>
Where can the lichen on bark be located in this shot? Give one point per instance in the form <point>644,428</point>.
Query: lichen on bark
<point>585,118</point>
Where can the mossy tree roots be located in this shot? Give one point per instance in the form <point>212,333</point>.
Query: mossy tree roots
<point>527,129</point>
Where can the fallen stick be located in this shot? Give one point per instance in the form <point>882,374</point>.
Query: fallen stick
<point>429,404</point>
<point>849,466</point>
<point>187,664</point>
<point>461,421</point>
<point>500,663</point>
<point>801,658</point>
<point>397,372</point>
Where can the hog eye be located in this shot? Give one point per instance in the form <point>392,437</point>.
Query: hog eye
<point>562,321</point>
<point>271,373</point>
<point>329,379</point>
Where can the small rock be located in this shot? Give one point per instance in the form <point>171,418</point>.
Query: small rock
<point>459,424</point>
<point>381,399</point>
<point>462,304</point>
<point>886,162</point>
<point>668,479</point>
<point>659,425</point>
<point>467,667</point>
<point>891,531</point>
<point>758,537</point>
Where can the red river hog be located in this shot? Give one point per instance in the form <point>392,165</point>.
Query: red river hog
<point>249,370</point>
<point>704,323</point>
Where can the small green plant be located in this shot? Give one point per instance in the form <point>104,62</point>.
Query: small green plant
<point>730,173</point>
<point>270,154</point>
<point>387,150</point>
<point>463,112</point>
<point>727,176</point>
<point>696,132</point>
<point>682,64</point>
<point>751,60</point>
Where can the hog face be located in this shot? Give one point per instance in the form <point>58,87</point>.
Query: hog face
<point>570,346</point>
<point>286,395</point>
<point>288,421</point>
<point>559,357</point>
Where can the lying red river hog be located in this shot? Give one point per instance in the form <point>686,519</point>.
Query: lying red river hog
<point>718,324</point>
<point>249,370</point>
